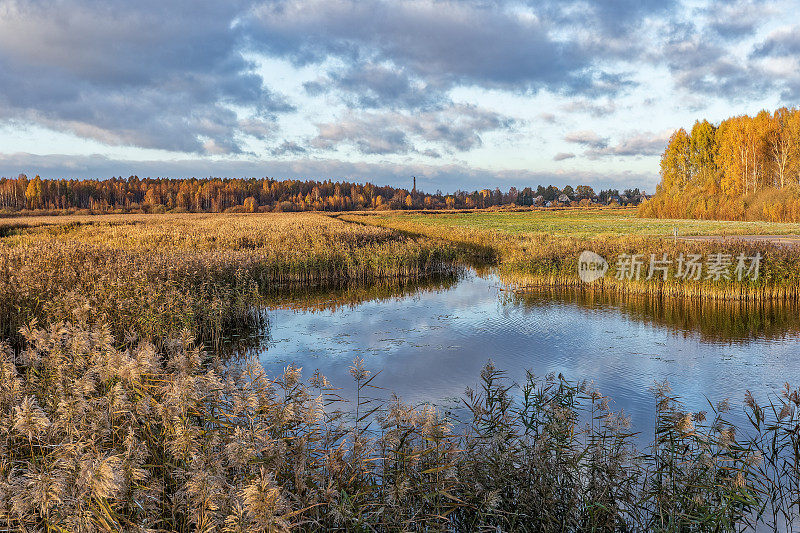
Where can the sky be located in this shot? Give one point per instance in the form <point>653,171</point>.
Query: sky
<point>462,94</point>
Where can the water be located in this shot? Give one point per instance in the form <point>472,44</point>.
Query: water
<point>430,343</point>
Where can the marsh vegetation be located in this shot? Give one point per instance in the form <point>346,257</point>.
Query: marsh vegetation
<point>119,412</point>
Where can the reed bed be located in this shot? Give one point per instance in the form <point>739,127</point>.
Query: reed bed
<point>157,276</point>
<point>98,436</point>
<point>537,260</point>
<point>113,418</point>
<point>554,263</point>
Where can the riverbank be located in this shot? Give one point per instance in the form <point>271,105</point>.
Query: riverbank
<point>533,250</point>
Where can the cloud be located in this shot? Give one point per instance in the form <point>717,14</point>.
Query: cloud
<point>706,68</point>
<point>457,128</point>
<point>444,43</point>
<point>148,73</point>
<point>561,156</point>
<point>782,42</point>
<point>288,147</point>
<point>634,145</point>
<point>373,86</point>
<point>586,138</point>
<point>720,57</point>
<point>734,20</point>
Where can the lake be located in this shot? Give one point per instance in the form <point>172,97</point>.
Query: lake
<point>431,341</point>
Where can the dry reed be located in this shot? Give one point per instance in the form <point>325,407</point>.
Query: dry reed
<point>100,437</point>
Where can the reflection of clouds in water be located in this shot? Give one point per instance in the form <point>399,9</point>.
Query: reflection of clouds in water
<point>432,345</point>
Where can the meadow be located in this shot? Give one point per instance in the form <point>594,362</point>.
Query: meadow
<point>120,410</point>
<point>540,248</point>
<point>581,222</point>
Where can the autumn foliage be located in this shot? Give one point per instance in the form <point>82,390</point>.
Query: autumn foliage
<point>23,195</point>
<point>746,168</point>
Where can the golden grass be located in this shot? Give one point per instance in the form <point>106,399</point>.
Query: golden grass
<point>157,275</point>
<point>113,419</point>
<point>100,437</point>
<point>534,258</point>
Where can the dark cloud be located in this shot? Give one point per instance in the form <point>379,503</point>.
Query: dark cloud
<point>704,67</point>
<point>147,73</point>
<point>609,18</point>
<point>448,178</point>
<point>587,138</point>
<point>444,43</point>
<point>735,19</point>
<point>457,128</point>
<point>288,147</point>
<point>782,49</point>
<point>633,145</point>
<point>561,156</point>
<point>374,86</point>
<point>781,43</point>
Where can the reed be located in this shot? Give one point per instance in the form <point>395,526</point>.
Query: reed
<point>97,436</point>
<point>113,418</point>
<point>535,260</point>
<point>157,276</point>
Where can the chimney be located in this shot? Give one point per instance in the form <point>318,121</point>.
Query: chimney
<point>414,190</point>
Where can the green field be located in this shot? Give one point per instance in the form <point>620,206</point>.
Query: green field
<point>582,223</point>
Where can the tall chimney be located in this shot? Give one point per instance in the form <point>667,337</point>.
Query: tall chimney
<point>414,190</point>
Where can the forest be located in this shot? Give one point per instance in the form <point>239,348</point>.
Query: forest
<point>216,195</point>
<point>745,168</point>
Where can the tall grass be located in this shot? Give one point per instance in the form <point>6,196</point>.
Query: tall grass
<point>535,260</point>
<point>113,418</point>
<point>205,273</point>
<point>96,436</point>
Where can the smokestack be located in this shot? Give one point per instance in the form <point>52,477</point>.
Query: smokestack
<point>415,184</point>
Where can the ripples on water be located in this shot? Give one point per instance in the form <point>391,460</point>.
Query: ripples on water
<point>431,342</point>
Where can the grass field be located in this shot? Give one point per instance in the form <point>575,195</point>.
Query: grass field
<point>581,223</point>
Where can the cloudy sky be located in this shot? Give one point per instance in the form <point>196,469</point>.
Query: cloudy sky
<point>461,93</point>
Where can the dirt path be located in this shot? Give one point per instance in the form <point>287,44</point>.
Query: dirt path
<point>780,240</point>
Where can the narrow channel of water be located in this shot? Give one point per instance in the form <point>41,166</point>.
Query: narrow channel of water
<point>430,343</point>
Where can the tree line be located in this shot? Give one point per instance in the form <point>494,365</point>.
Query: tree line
<point>136,194</point>
<point>745,168</point>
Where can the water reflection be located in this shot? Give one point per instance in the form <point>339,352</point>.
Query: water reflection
<point>332,298</point>
<point>431,342</point>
